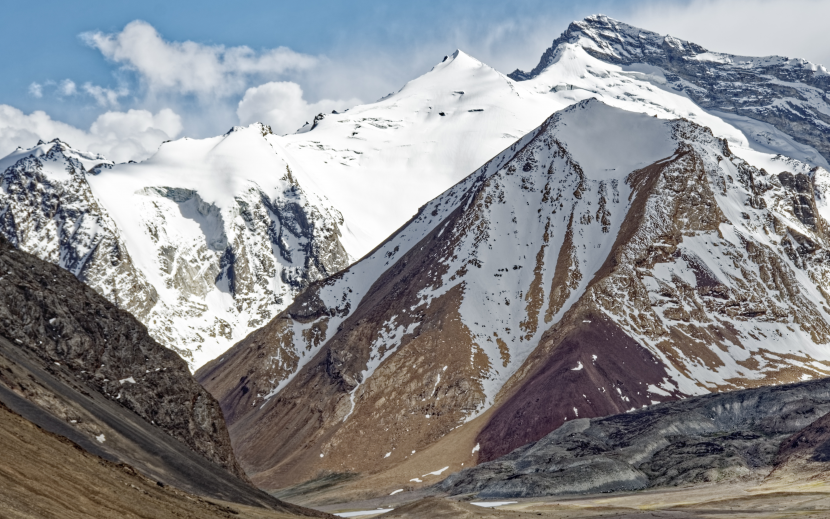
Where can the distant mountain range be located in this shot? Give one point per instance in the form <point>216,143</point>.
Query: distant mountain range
<point>634,221</point>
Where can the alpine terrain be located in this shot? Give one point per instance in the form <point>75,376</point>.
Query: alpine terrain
<point>643,244</point>
<point>554,283</point>
<point>210,238</point>
<point>636,220</point>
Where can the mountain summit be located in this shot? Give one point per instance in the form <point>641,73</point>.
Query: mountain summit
<point>787,93</point>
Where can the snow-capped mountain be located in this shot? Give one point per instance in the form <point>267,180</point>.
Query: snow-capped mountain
<point>605,261</point>
<point>203,242</point>
<point>790,94</point>
<point>644,246</point>
<point>211,238</point>
<point>47,208</point>
<point>412,145</point>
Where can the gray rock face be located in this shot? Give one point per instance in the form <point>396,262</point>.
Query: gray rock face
<point>702,439</point>
<point>790,94</point>
<point>47,208</point>
<point>66,324</point>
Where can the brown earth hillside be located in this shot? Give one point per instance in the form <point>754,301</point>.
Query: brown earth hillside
<point>46,475</point>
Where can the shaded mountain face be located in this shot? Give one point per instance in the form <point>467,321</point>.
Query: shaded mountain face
<point>95,369</point>
<point>788,93</point>
<point>606,261</point>
<point>203,243</point>
<point>732,436</point>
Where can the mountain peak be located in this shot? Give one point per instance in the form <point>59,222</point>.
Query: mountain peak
<point>617,42</point>
<point>456,59</point>
<point>708,78</point>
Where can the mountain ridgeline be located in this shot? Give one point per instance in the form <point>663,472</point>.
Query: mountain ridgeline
<point>788,93</point>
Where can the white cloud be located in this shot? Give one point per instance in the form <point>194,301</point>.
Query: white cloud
<point>795,28</point>
<point>188,67</point>
<point>67,88</point>
<point>36,90</point>
<point>105,96</point>
<point>281,105</point>
<point>119,136</point>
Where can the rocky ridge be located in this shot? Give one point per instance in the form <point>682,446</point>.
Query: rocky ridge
<point>74,331</point>
<point>728,437</point>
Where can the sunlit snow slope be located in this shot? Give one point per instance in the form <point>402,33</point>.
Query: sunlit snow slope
<point>415,143</point>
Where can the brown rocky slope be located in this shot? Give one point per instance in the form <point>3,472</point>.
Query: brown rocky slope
<point>46,475</point>
<point>64,322</point>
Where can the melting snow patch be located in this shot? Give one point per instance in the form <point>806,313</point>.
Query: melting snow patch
<point>131,380</point>
<point>101,438</point>
<point>416,480</point>
<point>396,491</point>
<point>436,473</point>
<point>388,454</point>
<point>493,504</point>
<point>475,449</point>
<point>578,366</point>
<point>658,390</point>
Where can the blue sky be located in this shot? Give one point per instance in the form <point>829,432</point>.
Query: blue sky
<point>117,76</point>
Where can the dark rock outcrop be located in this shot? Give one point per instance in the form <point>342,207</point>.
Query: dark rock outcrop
<point>720,437</point>
<point>65,324</point>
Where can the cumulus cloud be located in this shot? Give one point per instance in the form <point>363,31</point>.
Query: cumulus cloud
<point>280,104</point>
<point>191,68</point>
<point>119,136</point>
